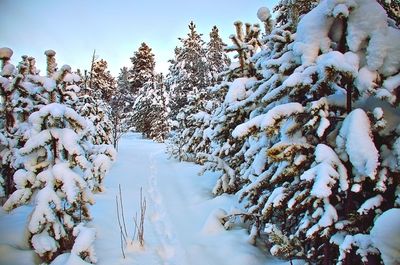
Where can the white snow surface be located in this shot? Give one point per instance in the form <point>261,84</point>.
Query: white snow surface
<point>6,53</point>
<point>263,14</point>
<point>355,138</point>
<point>181,226</point>
<point>268,119</point>
<point>237,90</point>
<point>327,170</point>
<point>385,236</point>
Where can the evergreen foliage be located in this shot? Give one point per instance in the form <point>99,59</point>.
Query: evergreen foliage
<point>217,59</point>
<point>291,11</point>
<point>306,129</point>
<point>193,117</point>
<point>317,167</point>
<point>101,81</point>
<point>188,72</point>
<point>149,113</point>
<point>226,154</point>
<point>52,161</point>
<point>151,110</point>
<point>142,69</point>
<point>121,107</point>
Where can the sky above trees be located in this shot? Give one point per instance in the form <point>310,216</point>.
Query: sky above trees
<point>114,28</point>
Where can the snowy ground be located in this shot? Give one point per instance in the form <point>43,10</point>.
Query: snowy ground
<point>181,227</point>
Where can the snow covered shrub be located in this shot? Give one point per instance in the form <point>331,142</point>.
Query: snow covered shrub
<point>57,166</point>
<point>322,151</point>
<point>240,90</point>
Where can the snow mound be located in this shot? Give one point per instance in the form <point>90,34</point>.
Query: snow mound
<point>43,243</point>
<point>385,236</point>
<point>213,223</point>
<point>69,259</point>
<point>5,53</point>
<point>237,90</point>
<point>263,14</point>
<point>50,53</point>
<point>355,141</point>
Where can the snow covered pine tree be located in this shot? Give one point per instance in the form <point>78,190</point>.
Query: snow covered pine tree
<point>150,110</point>
<point>188,78</point>
<point>238,91</point>
<point>58,168</point>
<point>195,139</point>
<point>328,137</point>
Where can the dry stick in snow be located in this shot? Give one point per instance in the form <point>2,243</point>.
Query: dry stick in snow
<point>140,226</point>
<point>134,232</point>
<point>123,238</point>
<point>122,210</point>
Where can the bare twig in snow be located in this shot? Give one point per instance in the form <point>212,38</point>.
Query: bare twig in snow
<point>139,225</point>
<point>123,239</point>
<point>122,210</point>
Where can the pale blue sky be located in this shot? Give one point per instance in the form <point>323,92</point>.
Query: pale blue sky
<point>115,28</point>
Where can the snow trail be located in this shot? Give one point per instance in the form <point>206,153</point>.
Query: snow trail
<point>179,207</point>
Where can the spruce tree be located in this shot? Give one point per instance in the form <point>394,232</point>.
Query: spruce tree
<point>142,69</point>
<point>7,121</point>
<point>322,147</point>
<point>21,92</point>
<point>188,73</point>
<point>96,94</point>
<point>189,77</point>
<point>217,59</point>
<point>151,110</point>
<point>101,81</point>
<point>121,107</point>
<point>56,166</point>
<point>239,90</point>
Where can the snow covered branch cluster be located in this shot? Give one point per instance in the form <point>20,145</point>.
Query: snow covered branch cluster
<point>52,155</point>
<point>304,126</point>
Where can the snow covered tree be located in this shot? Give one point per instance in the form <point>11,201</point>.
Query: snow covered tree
<point>217,59</point>
<point>151,110</point>
<point>96,90</point>
<point>194,139</point>
<point>121,107</point>
<point>123,79</point>
<point>7,121</point>
<point>189,78</point>
<point>102,83</point>
<point>188,72</point>
<point>57,166</point>
<point>160,113</point>
<point>22,93</point>
<point>98,112</point>
<point>120,115</point>
<point>321,152</point>
<point>239,92</point>
<point>290,11</point>
<point>142,69</point>
<point>245,44</point>
<point>142,84</point>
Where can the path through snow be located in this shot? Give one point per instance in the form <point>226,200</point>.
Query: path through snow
<point>179,229</point>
